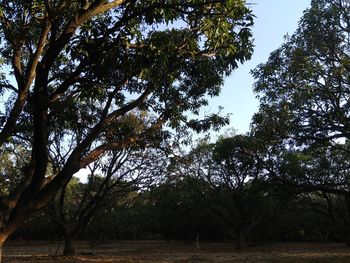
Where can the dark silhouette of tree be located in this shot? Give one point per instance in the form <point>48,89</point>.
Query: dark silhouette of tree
<point>322,171</point>
<point>181,208</point>
<point>110,179</point>
<point>235,169</point>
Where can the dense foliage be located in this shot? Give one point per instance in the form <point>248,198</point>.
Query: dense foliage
<point>116,79</point>
<point>82,78</point>
<point>304,86</point>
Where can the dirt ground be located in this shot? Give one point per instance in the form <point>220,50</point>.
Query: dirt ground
<point>178,252</point>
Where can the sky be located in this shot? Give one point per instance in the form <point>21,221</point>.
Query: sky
<point>274,19</point>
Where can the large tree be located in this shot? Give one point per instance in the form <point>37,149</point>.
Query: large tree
<point>304,90</point>
<point>76,71</point>
<point>304,86</point>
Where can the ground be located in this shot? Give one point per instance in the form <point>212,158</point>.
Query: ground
<point>178,252</point>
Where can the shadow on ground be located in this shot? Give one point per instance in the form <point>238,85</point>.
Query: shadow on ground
<point>178,252</point>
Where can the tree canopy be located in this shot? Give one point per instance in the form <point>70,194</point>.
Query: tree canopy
<point>304,86</point>
<point>304,93</point>
<point>98,75</point>
<point>115,85</point>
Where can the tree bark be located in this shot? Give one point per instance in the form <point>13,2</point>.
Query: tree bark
<point>7,230</point>
<point>197,241</point>
<point>1,248</point>
<point>241,238</point>
<point>240,243</point>
<point>347,227</point>
<point>3,238</point>
<point>69,247</point>
<point>347,237</point>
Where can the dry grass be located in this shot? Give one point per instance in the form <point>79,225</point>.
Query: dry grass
<point>178,252</point>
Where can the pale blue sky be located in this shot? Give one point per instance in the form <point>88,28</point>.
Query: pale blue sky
<point>274,19</point>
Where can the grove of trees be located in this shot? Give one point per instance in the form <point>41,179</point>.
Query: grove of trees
<point>117,86</point>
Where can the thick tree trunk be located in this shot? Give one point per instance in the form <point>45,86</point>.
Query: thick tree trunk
<point>5,232</point>
<point>1,248</point>
<point>69,248</point>
<point>3,238</point>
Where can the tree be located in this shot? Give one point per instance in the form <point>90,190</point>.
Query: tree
<point>322,171</point>
<point>304,86</point>
<point>110,179</point>
<point>78,69</point>
<point>180,207</point>
<point>304,93</point>
<point>236,171</point>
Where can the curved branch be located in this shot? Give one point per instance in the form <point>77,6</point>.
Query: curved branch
<point>23,89</point>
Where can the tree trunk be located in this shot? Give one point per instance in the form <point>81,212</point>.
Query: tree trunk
<point>3,238</point>
<point>69,248</point>
<point>241,239</point>
<point>347,237</point>
<point>347,227</point>
<point>240,243</point>
<point>1,248</point>
<point>197,242</point>
<point>5,232</point>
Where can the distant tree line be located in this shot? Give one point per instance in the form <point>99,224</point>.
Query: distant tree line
<point>205,196</point>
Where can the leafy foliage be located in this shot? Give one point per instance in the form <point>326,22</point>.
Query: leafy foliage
<point>84,78</point>
<point>304,86</point>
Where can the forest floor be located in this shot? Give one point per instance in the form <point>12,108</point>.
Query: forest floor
<point>178,252</point>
